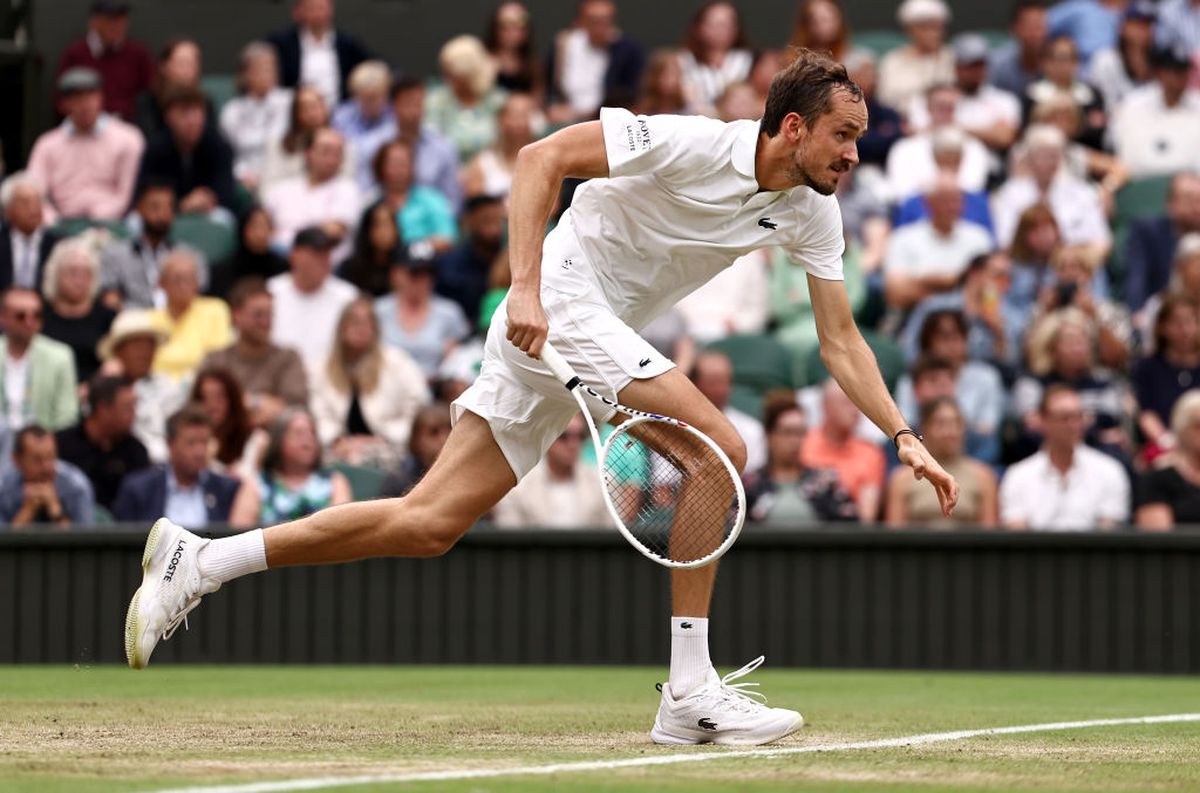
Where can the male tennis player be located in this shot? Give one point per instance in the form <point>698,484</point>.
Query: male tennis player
<point>683,198</point>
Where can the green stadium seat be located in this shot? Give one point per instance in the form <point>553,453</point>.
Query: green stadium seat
<point>888,353</point>
<point>101,516</point>
<point>365,481</point>
<point>219,88</point>
<point>996,38</point>
<point>1139,198</point>
<point>879,42</point>
<point>215,240</point>
<point>760,362</point>
<point>69,227</point>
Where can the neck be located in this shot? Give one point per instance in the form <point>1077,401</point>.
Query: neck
<point>1185,358</point>
<point>92,430</point>
<point>558,471</point>
<point>177,310</point>
<point>153,238</point>
<point>944,230</point>
<point>484,249</point>
<point>786,467</point>
<point>71,308</point>
<point>26,232</point>
<point>18,347</point>
<point>1061,457</point>
<point>248,346</point>
<point>294,471</point>
<point>1030,59</point>
<point>184,478</point>
<point>835,433</point>
<point>413,300</point>
<point>317,32</point>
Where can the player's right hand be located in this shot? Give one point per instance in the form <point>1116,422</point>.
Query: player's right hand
<point>527,326</point>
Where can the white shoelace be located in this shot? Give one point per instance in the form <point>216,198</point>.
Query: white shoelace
<point>181,617</point>
<point>741,695</point>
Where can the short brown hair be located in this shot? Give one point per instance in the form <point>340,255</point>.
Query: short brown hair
<point>246,288</point>
<point>806,86</point>
<point>1051,392</point>
<point>183,96</point>
<point>188,416</point>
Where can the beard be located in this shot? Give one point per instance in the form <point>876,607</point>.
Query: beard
<point>156,230</point>
<point>819,177</point>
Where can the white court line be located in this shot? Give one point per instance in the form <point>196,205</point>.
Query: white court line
<point>670,759</point>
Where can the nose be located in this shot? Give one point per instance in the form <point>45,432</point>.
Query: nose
<point>851,155</point>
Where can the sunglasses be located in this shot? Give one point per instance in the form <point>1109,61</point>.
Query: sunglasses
<point>573,436</point>
<point>22,316</point>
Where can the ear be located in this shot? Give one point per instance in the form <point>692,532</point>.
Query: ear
<point>795,128</point>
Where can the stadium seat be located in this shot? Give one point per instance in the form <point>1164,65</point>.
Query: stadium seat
<point>364,480</point>
<point>760,363</point>
<point>888,353</point>
<point>69,227</point>
<point>1139,198</point>
<point>215,240</point>
<point>101,516</point>
<point>879,42</point>
<point>219,88</point>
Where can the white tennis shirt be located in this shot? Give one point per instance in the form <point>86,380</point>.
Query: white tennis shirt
<point>681,204</point>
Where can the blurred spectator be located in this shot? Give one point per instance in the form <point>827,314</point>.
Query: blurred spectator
<point>73,315</point>
<point>430,429</point>
<point>292,482</point>
<point>41,489</point>
<point>365,119</point>
<point>435,159</point>
<point>662,86</point>
<point>912,502</point>
<point>312,52</point>
<point>783,492</point>
<point>1017,65</point>
<point>424,216</point>
<point>462,273</point>
<point>561,492</point>
<point>193,325</point>
<point>885,126</point>
<point>1072,285</point>
<point>463,107</point>
<point>929,256</point>
<point>767,63</point>
<point>821,26</point>
<point>735,300</point>
<point>128,351</point>
<point>1170,494</point>
<point>1080,160</point>
<point>102,444</point>
<point>925,61</point>
<point>413,318</point>
<point>1116,71</point>
<point>715,54</point>
<point>860,464</point>
<point>321,197</point>
<point>1184,283</point>
<point>1179,25</point>
<point>89,162</point>
<point>1035,239</point>
<point>1171,369</point>
<point>125,66</point>
<point>38,373</point>
<point>712,374</point>
<point>491,171</point>
<point>237,444</point>
<point>591,63</point>
<point>254,257</point>
<point>1156,126</point>
<point>915,160</point>
<point>1060,70</point>
<point>510,42</point>
<point>1092,24</point>
<point>271,377</point>
<point>184,490</point>
<point>189,156</point>
<point>25,242</point>
<point>365,394</point>
<point>285,157</point>
<point>178,69</point>
<point>308,299</point>
<point>668,333</point>
<point>1151,241</point>
<point>1065,486</point>
<point>376,246</point>
<point>259,115</point>
<point>740,101</point>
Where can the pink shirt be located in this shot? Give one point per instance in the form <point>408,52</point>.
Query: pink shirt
<point>90,174</point>
<point>295,203</point>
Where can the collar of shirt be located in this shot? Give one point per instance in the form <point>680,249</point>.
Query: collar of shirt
<point>1052,472</point>
<point>30,240</point>
<point>745,148</point>
<point>73,131</point>
<point>174,488</point>
<point>309,41</point>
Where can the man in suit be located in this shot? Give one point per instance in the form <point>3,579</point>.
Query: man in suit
<point>37,374</point>
<point>183,490</point>
<point>312,52</point>
<point>25,243</point>
<point>1150,247</point>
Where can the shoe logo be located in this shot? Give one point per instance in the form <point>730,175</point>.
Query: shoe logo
<point>685,625</point>
<point>644,362</point>
<point>175,560</point>
<point>705,724</point>
<point>767,224</point>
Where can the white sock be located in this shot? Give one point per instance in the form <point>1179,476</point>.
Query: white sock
<point>233,557</point>
<point>690,665</point>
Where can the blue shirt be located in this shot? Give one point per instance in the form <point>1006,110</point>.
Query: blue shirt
<point>1093,26</point>
<point>426,214</point>
<point>975,209</point>
<point>981,341</point>
<point>72,486</point>
<point>185,505</point>
<point>366,135</point>
<point>427,345</point>
<point>1178,25</point>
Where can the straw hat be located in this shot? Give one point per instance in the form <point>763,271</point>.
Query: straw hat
<point>128,325</point>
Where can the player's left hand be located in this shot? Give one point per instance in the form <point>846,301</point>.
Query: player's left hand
<point>914,454</point>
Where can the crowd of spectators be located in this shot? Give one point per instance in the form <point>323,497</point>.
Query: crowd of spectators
<point>1022,252</point>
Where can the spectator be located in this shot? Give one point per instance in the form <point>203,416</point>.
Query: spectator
<point>88,163</point>
<point>1091,24</point>
<point>128,351</point>
<point>237,444</point>
<point>767,63</point>
<point>1065,486</point>
<point>1060,70</point>
<point>591,63</point>
<point>308,299</point>
<point>1081,161</point>
<point>1157,125</point>
<point>1172,369</point>
<point>435,159</point>
<point>313,52</point>
<point>73,315</point>
<point>1034,240</point>
<point>193,325</point>
<point>735,300</point>
<point>914,161</point>
<point>1018,64</point>
<point>430,429</point>
<point>178,69</point>
<point>712,373</point>
<point>925,61</point>
<point>462,273</point>
<point>911,502</point>
<point>319,198</point>
<point>463,107</point>
<point>561,492</point>
<point>254,257</point>
<point>102,445</point>
<point>1170,494</point>
<point>259,115</point>
<point>25,242</point>
<point>365,120</point>
<point>38,372</point>
<point>376,246</point>
<point>510,41</point>
<point>1116,71</point>
<point>885,127</point>
<point>292,482</point>
<point>739,101</point>
<point>928,257</point>
<point>40,488</point>
<point>715,54</point>
<point>366,394</point>
<point>125,66</point>
<point>285,157</point>
<point>1071,285</point>
<point>271,377</point>
<point>821,26</point>
<point>1178,25</point>
<point>413,318</point>
<point>783,492</point>
<point>190,157</point>
<point>1184,283</point>
<point>662,86</point>
<point>859,464</point>
<point>183,490</point>
<point>491,171</point>
<point>1151,243</point>
<point>424,217</point>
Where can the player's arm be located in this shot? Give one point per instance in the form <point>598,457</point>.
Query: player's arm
<point>848,358</point>
<point>577,151</point>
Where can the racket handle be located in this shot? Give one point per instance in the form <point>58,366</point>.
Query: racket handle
<point>558,365</point>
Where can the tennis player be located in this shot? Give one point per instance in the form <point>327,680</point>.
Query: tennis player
<point>672,201</point>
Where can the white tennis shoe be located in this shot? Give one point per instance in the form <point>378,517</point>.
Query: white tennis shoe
<point>722,712</point>
<point>171,587</point>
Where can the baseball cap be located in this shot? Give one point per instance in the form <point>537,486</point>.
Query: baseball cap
<point>78,79</point>
<point>1176,58</point>
<point>970,48</point>
<point>313,237</point>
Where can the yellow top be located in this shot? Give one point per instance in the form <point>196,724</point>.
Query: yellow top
<point>204,327</point>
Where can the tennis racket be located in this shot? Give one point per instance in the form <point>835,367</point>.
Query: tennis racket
<point>670,489</point>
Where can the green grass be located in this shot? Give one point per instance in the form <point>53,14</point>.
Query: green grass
<point>107,728</point>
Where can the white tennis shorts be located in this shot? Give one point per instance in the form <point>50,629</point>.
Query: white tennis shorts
<point>523,403</point>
